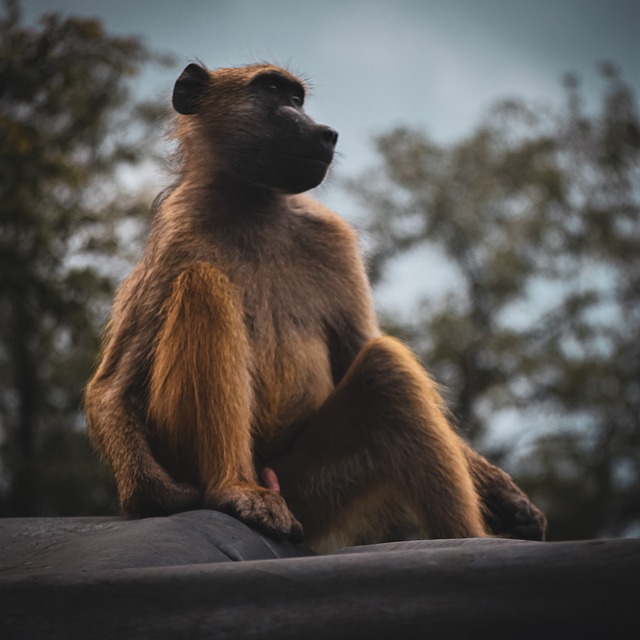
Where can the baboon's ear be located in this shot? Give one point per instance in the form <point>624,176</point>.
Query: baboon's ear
<point>188,90</point>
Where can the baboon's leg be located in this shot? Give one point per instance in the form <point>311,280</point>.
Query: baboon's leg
<point>200,398</point>
<point>381,441</point>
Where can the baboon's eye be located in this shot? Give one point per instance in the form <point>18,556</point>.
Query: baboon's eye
<point>274,89</point>
<point>297,100</point>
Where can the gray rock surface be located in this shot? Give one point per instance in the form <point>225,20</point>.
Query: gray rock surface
<point>202,574</point>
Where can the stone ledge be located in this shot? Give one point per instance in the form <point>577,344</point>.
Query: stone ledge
<point>204,575</point>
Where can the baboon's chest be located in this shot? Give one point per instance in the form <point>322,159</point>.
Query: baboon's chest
<point>285,321</point>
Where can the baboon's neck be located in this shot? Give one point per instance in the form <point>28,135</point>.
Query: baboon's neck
<point>224,203</point>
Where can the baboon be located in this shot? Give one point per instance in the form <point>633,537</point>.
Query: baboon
<point>244,369</point>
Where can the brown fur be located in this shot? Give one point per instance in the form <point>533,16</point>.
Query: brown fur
<point>246,338</point>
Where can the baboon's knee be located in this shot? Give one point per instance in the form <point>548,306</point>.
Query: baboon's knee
<point>385,363</point>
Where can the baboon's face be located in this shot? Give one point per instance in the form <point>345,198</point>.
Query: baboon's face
<point>255,120</point>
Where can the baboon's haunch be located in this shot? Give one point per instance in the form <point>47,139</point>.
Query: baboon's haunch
<point>244,345</point>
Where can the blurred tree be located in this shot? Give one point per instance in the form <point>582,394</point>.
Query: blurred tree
<point>67,126</point>
<point>537,215</point>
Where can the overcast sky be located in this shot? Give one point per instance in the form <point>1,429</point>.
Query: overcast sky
<point>374,64</point>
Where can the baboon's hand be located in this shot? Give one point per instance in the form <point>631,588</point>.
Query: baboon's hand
<point>509,512</point>
<point>259,508</point>
<point>160,496</point>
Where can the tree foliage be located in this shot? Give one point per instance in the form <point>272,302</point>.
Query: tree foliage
<point>68,124</point>
<point>537,215</point>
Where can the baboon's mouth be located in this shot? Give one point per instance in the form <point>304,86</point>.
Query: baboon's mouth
<point>309,160</point>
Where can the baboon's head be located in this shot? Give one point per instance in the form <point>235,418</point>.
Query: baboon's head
<point>253,117</point>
